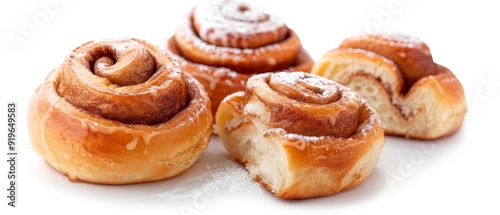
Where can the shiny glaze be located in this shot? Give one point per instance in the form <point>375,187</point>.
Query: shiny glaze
<point>90,147</point>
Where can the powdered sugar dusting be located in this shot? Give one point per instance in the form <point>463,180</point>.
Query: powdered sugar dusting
<point>400,39</point>
<point>126,46</point>
<point>218,19</point>
<point>217,177</point>
<point>298,141</point>
<point>242,12</point>
<point>310,88</point>
<point>368,125</point>
<point>218,74</point>
<point>194,117</point>
<point>236,54</point>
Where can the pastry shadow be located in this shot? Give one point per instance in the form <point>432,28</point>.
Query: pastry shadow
<point>216,176</point>
<point>368,189</point>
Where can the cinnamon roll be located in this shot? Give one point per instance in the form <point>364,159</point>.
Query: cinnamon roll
<point>301,135</point>
<point>415,97</point>
<point>223,43</point>
<point>119,111</point>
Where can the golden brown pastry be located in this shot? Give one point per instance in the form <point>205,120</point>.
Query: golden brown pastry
<point>415,97</point>
<point>222,43</point>
<point>301,135</point>
<point>119,111</point>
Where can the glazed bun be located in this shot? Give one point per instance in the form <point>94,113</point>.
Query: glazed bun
<point>119,111</point>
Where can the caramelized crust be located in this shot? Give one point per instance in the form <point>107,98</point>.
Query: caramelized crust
<point>308,105</point>
<point>301,135</point>
<point>410,54</point>
<point>119,90</point>
<point>105,130</point>
<point>430,104</point>
<point>223,43</point>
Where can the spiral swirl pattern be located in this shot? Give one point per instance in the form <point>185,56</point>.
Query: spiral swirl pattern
<point>223,43</point>
<point>301,135</point>
<point>414,96</point>
<point>308,104</point>
<point>237,25</point>
<point>120,111</point>
<point>121,80</point>
<point>236,36</point>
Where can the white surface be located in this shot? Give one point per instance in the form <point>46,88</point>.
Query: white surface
<point>455,174</point>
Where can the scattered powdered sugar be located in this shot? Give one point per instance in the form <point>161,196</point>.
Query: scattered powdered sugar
<point>219,73</point>
<point>395,38</point>
<point>219,176</point>
<point>241,11</point>
<point>190,120</point>
<point>194,116</point>
<point>306,84</point>
<point>126,46</point>
<point>311,139</point>
<point>368,126</point>
<point>301,142</point>
<point>298,141</point>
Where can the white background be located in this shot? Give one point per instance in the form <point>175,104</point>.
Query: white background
<point>455,174</point>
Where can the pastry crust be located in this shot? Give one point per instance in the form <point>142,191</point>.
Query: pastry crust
<point>415,97</point>
<point>222,46</point>
<point>301,135</point>
<point>73,123</point>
